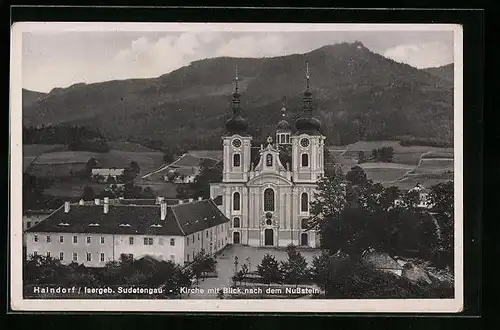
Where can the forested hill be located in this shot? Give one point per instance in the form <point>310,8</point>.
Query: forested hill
<point>357,95</point>
<point>30,97</point>
<point>444,72</point>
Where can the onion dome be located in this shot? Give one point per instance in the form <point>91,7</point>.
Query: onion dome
<point>283,125</point>
<point>306,122</point>
<point>236,124</point>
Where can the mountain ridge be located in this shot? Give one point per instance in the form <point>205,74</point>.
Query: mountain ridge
<point>358,94</point>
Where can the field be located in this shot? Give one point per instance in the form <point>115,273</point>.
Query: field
<point>128,146</point>
<point>164,189</point>
<point>385,172</point>
<point>148,161</point>
<point>434,165</point>
<point>72,190</point>
<point>34,150</point>
<point>411,164</point>
<point>402,154</point>
<point>214,154</point>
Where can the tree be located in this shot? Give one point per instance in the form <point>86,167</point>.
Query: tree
<point>361,157</point>
<point>294,269</point>
<point>88,193</point>
<point>134,167</point>
<point>209,173</point>
<point>33,189</point>
<point>356,176</point>
<point>441,198</point>
<point>329,200</point>
<point>203,263</point>
<point>269,269</point>
<point>148,193</point>
<point>91,164</point>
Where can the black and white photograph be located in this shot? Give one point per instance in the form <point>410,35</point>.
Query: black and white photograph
<point>244,167</point>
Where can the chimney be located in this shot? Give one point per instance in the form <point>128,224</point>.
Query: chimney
<point>97,201</point>
<point>163,210</point>
<point>191,200</point>
<point>106,205</point>
<point>66,207</point>
<point>200,198</point>
<point>82,202</point>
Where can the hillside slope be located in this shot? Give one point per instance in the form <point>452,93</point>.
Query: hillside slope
<point>357,95</point>
<point>30,97</point>
<point>444,72</point>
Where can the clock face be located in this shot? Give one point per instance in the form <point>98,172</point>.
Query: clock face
<point>304,143</point>
<point>236,143</point>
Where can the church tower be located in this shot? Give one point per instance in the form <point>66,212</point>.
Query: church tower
<point>307,143</point>
<point>283,130</point>
<point>236,143</point>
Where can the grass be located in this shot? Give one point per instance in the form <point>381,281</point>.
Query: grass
<point>425,179</point>
<point>215,154</point>
<point>27,160</point>
<point>65,157</point>
<point>432,165</point>
<point>128,146</point>
<point>164,189</point>
<point>72,189</point>
<point>148,161</point>
<point>33,150</point>
<point>439,154</point>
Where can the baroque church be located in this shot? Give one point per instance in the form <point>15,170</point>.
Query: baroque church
<point>266,194</point>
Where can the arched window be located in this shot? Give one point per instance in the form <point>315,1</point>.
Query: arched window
<point>236,222</point>
<point>268,199</point>
<point>303,223</point>
<point>287,138</point>
<point>269,160</point>
<point>236,160</point>
<point>305,160</point>
<point>236,201</point>
<point>304,202</point>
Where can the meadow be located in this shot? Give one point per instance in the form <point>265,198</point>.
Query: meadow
<point>410,165</point>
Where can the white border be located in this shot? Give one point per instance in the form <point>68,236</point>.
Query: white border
<point>281,305</point>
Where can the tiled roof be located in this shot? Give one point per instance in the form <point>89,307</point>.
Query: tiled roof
<point>198,216</point>
<point>218,200</point>
<point>182,219</point>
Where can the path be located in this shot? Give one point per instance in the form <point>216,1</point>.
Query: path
<point>164,167</point>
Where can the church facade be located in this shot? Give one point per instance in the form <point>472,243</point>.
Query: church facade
<point>266,190</point>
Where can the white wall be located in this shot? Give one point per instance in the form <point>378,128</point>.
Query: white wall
<point>55,247</point>
<point>160,249</point>
<point>113,247</point>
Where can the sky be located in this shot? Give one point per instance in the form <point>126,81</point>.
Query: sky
<point>62,58</point>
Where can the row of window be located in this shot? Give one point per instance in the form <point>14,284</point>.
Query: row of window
<point>218,229</point>
<point>75,256</point>
<point>283,138</point>
<point>150,241</point>
<point>218,245</point>
<point>147,240</point>
<point>236,223</point>
<point>269,201</point>
<point>304,160</point>
<point>101,256</point>
<point>61,239</point>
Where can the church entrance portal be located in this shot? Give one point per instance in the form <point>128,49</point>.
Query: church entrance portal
<point>303,239</point>
<point>268,237</point>
<point>236,237</point>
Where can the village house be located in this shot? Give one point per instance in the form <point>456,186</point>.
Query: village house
<point>105,173</point>
<point>95,233</point>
